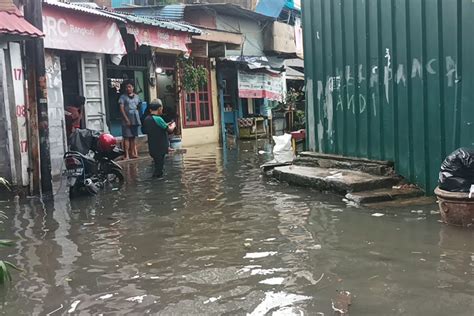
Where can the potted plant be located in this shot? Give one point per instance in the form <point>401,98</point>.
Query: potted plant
<point>191,76</point>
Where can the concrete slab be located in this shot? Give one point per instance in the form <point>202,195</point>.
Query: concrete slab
<point>335,180</point>
<point>317,155</point>
<point>378,168</point>
<point>384,195</point>
<point>401,203</point>
<point>272,165</point>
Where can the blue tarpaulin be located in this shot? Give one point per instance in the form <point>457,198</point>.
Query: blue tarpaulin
<point>270,8</point>
<point>273,8</point>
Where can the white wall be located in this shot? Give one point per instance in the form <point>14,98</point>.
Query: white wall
<point>5,131</point>
<point>19,114</point>
<point>57,131</point>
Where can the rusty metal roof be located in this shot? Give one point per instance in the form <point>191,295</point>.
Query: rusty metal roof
<point>153,21</point>
<point>83,8</point>
<point>177,11</point>
<point>173,12</point>
<point>125,17</point>
<point>230,9</point>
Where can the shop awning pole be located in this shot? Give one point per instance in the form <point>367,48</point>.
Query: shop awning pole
<point>38,103</point>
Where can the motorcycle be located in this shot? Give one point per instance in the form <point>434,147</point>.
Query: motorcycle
<point>90,164</point>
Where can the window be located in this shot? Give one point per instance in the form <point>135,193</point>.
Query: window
<point>198,105</point>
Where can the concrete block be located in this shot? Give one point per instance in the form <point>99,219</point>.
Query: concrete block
<point>334,180</point>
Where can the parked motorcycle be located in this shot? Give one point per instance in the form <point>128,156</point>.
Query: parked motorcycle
<point>90,164</point>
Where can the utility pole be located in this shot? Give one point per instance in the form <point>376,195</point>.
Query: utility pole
<point>38,102</point>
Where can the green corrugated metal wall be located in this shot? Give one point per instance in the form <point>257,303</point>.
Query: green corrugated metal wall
<point>390,80</point>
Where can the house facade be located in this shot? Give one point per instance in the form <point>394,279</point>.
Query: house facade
<point>15,145</point>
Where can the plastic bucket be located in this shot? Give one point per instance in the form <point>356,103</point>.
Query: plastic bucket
<point>175,143</point>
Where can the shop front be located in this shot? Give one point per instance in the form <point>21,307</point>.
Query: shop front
<point>78,42</point>
<point>193,112</point>
<point>150,63</point>
<point>14,141</point>
<point>249,89</point>
<point>134,67</point>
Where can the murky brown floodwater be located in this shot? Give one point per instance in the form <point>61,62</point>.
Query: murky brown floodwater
<point>217,239</point>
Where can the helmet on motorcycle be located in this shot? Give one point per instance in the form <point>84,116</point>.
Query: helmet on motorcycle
<point>106,143</point>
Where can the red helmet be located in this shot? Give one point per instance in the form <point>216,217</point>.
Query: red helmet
<point>106,143</point>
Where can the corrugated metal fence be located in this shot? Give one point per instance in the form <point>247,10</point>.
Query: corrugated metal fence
<point>391,80</point>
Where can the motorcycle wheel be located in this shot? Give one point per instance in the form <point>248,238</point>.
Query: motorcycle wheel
<point>114,178</point>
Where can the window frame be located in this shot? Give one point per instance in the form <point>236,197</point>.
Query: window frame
<point>197,101</point>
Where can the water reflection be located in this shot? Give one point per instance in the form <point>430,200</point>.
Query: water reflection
<point>216,238</point>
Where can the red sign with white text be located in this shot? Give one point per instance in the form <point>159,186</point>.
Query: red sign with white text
<point>76,31</point>
<point>158,37</point>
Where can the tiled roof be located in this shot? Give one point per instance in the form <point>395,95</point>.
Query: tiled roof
<point>12,21</point>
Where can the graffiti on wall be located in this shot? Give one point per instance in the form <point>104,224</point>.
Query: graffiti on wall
<point>325,93</point>
<point>338,92</point>
<point>374,87</point>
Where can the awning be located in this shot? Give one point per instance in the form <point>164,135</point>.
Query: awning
<point>158,37</point>
<point>13,23</point>
<point>79,30</point>
<point>258,62</point>
<point>293,74</point>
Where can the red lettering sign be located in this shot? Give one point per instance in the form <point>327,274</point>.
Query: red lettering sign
<point>21,111</point>
<point>24,146</point>
<point>157,37</point>
<point>18,74</point>
<point>70,30</point>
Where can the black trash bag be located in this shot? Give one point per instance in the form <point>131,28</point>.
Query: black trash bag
<point>84,140</point>
<point>457,171</point>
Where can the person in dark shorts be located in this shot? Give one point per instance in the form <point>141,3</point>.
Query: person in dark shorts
<point>130,110</point>
<point>157,130</point>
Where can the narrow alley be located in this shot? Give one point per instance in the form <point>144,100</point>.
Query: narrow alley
<point>217,238</point>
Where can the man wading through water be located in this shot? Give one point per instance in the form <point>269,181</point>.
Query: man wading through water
<point>157,130</point>
<point>130,108</point>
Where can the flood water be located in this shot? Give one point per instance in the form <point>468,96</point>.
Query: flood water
<point>216,238</point>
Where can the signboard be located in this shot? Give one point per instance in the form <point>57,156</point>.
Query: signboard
<point>158,37</point>
<point>75,31</point>
<point>260,85</point>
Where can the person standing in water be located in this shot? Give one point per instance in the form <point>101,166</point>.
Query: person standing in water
<point>130,109</point>
<point>157,130</point>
